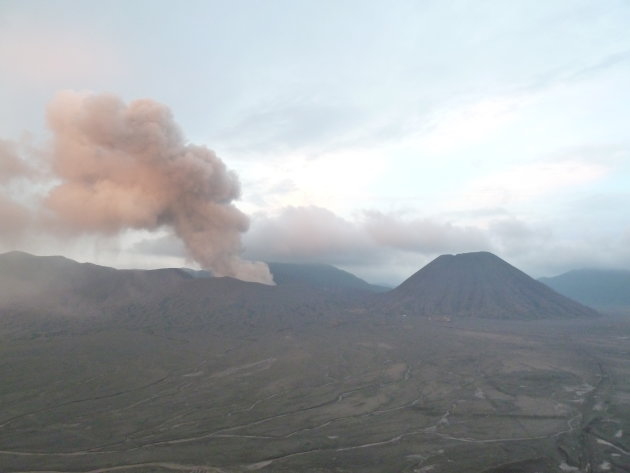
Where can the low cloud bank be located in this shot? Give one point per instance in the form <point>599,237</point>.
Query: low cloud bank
<point>388,247</point>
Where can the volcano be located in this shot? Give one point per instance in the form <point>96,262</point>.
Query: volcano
<point>479,285</point>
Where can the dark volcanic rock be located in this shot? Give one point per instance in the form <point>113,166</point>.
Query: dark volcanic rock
<point>478,285</point>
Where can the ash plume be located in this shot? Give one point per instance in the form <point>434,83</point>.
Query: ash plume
<point>126,166</point>
<point>11,165</point>
<point>14,217</point>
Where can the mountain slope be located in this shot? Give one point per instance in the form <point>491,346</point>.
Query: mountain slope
<point>44,281</point>
<point>478,285</point>
<point>54,294</point>
<point>600,288</point>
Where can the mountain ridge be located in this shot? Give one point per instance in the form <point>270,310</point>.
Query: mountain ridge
<point>466,285</point>
<point>604,289</point>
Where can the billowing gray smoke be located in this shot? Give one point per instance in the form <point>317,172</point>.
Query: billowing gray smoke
<point>125,166</point>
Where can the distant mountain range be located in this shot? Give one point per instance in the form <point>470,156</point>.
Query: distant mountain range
<point>598,288</point>
<point>55,293</point>
<point>323,276</point>
<point>319,275</point>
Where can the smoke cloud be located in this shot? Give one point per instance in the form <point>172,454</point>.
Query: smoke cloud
<point>126,166</point>
<point>15,220</point>
<point>11,165</point>
<point>14,217</point>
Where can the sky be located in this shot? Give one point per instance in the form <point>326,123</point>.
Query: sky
<point>373,136</point>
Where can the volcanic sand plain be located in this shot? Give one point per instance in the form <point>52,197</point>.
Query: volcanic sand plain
<point>343,392</point>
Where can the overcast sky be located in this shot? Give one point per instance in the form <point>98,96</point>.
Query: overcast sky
<point>370,135</point>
